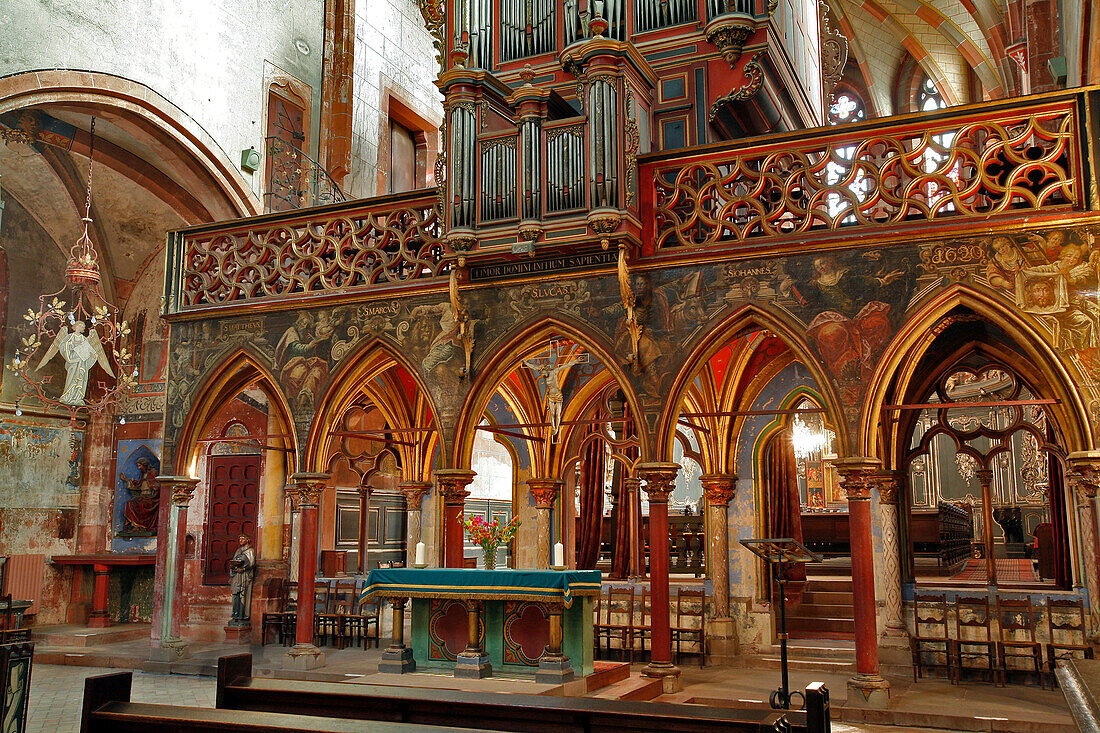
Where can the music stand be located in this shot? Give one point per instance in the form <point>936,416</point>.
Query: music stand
<point>778,552</point>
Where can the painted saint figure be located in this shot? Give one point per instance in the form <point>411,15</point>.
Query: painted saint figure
<point>140,511</point>
<point>80,352</point>
<point>241,569</point>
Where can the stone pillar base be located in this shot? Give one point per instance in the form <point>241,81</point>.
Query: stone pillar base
<point>397,661</point>
<point>305,657</point>
<point>554,670</point>
<point>868,691</point>
<point>472,665</point>
<point>669,674</point>
<point>238,634</point>
<point>722,642</point>
<point>170,650</point>
<point>99,621</point>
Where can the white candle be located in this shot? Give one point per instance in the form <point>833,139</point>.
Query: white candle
<point>559,555</point>
<point>421,554</point>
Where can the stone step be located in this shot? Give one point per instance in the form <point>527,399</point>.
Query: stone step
<point>818,649</point>
<point>830,585</point>
<point>635,689</point>
<point>71,635</point>
<point>833,625</point>
<point>828,666</point>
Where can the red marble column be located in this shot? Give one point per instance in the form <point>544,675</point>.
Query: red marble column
<point>659,481</point>
<point>452,484</point>
<point>545,492</point>
<point>857,477</point>
<point>99,618</point>
<point>364,513</point>
<point>309,487</point>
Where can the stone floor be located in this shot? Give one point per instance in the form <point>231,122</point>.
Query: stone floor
<point>930,704</point>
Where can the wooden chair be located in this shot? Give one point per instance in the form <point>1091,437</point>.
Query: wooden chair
<point>358,624</point>
<point>343,601</point>
<point>931,637</point>
<point>9,631</point>
<point>1066,621</point>
<point>597,624</point>
<point>691,626</point>
<point>289,632</point>
<point>273,620</point>
<point>1016,618</point>
<point>643,630</point>
<point>973,636</point>
<point>326,622</point>
<point>618,620</point>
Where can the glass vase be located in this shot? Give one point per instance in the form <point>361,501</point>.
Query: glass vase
<point>491,558</point>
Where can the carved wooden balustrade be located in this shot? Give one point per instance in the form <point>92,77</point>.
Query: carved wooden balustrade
<point>384,242</point>
<point>967,164</point>
<point>1033,156</point>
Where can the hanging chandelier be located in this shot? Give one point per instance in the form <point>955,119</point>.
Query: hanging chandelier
<point>79,328</point>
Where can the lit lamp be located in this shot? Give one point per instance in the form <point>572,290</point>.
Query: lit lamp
<point>807,439</point>
<point>77,326</point>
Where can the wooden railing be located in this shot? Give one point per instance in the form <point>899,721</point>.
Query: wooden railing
<point>974,163</point>
<point>372,243</point>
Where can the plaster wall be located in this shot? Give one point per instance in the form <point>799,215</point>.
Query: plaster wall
<point>207,57</point>
<point>393,54</point>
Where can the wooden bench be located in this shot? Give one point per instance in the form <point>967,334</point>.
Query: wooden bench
<point>238,690</point>
<point>107,709</point>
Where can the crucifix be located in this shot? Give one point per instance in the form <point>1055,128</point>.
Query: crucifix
<point>552,369</point>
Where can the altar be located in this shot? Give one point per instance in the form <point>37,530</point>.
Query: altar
<point>477,621</point>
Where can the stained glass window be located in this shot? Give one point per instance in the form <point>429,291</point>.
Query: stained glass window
<point>847,107</point>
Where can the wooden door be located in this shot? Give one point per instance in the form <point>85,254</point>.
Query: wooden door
<point>234,502</point>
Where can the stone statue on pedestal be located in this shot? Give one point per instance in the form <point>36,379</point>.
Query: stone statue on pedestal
<point>242,569</point>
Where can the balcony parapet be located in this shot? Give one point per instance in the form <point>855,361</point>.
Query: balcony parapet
<point>973,163</point>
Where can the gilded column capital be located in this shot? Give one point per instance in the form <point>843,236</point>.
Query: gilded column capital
<point>1083,474</point>
<point>888,485</point>
<point>182,488</point>
<point>308,487</point>
<point>452,483</point>
<point>718,488</point>
<point>544,491</point>
<point>857,476</point>
<point>414,492</point>
<point>660,480</point>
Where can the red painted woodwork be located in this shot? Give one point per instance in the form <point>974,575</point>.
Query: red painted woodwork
<point>231,511</point>
<point>863,586</point>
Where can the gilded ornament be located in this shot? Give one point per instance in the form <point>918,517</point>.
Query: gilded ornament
<point>754,79</point>
<point>834,51</point>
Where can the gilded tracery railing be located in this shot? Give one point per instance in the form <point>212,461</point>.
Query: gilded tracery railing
<point>872,174</point>
<point>377,242</point>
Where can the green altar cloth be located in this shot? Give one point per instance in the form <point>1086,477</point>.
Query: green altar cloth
<point>489,585</point>
<point>514,613</point>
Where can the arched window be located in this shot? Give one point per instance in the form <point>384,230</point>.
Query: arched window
<point>846,107</point>
<point>929,98</point>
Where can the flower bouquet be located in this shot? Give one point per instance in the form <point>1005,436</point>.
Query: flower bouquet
<point>490,535</point>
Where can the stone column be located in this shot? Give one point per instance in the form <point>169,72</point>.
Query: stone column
<point>414,492</point>
<point>659,481</point>
<point>364,516</point>
<point>172,647</point>
<point>452,483</point>
<point>545,491</point>
<point>888,485</point>
<point>1084,479</point>
<point>718,490</point>
<point>867,689</point>
<point>473,663</point>
<point>304,654</point>
<point>398,658</point>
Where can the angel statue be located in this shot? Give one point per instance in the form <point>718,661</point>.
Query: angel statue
<point>80,353</point>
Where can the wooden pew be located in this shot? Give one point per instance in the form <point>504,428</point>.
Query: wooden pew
<point>107,709</point>
<point>238,690</point>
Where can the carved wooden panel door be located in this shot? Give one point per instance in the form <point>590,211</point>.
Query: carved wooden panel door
<point>234,483</point>
<point>285,139</point>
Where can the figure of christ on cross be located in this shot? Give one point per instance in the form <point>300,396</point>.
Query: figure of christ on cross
<point>553,369</point>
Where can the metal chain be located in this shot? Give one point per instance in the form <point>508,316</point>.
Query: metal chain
<point>91,148</point>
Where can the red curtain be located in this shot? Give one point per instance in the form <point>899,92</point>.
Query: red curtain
<point>781,489</point>
<point>1058,518</point>
<point>592,487</point>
